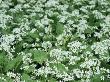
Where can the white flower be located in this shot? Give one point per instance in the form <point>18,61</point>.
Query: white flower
<point>73,60</point>
<point>47,29</point>
<point>90,63</point>
<point>75,46</point>
<point>17,30</point>
<point>26,67</point>
<point>27,58</point>
<point>33,30</point>
<point>99,35</point>
<point>101,48</point>
<point>102,77</point>
<point>98,14</point>
<point>82,25</point>
<point>4,19</point>
<point>45,20</point>
<point>78,73</point>
<point>59,54</point>
<point>46,45</point>
<point>75,13</point>
<point>11,74</point>
<point>51,3</point>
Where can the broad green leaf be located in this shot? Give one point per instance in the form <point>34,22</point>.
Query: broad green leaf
<point>13,64</point>
<point>48,38</point>
<point>88,30</point>
<point>15,2</point>
<point>59,66</point>
<point>39,56</point>
<point>30,69</point>
<point>8,79</point>
<point>52,80</point>
<point>25,76</point>
<point>28,39</point>
<point>1,58</point>
<point>6,31</point>
<point>34,35</point>
<point>59,28</point>
<point>3,61</point>
<point>18,46</point>
<point>40,29</point>
<point>1,80</point>
<point>96,78</point>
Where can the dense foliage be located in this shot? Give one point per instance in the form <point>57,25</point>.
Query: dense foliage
<point>54,40</point>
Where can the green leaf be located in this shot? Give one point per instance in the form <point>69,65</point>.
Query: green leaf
<point>60,66</point>
<point>88,30</point>
<point>13,64</point>
<point>3,61</point>
<point>96,78</point>
<point>30,69</point>
<point>25,76</point>
<point>88,49</point>
<point>59,28</point>
<point>34,35</point>
<point>1,58</point>
<point>28,39</point>
<point>8,79</point>
<point>39,56</point>
<point>18,46</point>
<point>48,38</point>
<point>52,80</point>
<point>1,80</point>
<point>6,31</point>
<point>15,2</point>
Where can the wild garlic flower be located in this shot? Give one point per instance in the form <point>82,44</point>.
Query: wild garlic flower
<point>59,54</point>
<point>76,46</point>
<point>46,45</point>
<point>101,48</point>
